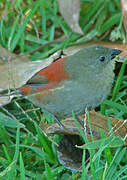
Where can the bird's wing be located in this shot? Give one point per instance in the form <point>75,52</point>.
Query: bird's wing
<point>46,78</point>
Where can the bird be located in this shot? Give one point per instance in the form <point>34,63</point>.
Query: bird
<point>73,83</point>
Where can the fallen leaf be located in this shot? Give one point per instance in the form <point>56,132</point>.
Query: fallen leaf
<point>15,70</point>
<point>124,13</point>
<point>70,152</point>
<point>5,99</point>
<point>98,121</point>
<point>70,156</point>
<point>70,10</point>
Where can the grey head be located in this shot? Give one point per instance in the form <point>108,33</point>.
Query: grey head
<point>96,55</point>
<point>91,60</point>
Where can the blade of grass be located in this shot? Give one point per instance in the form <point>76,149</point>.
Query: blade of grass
<point>115,19</point>
<point>89,124</point>
<point>111,141</point>
<point>22,169</point>
<point>2,32</point>
<point>7,170</point>
<point>102,108</point>
<point>107,151</point>
<point>4,135</point>
<point>121,172</point>
<point>46,144</point>
<point>112,169</point>
<point>6,153</point>
<point>12,173</point>
<point>101,18</point>
<point>116,105</point>
<point>37,151</point>
<point>49,174</point>
<point>51,34</point>
<point>23,26</point>
<point>13,29</point>
<point>93,19</point>
<point>92,168</point>
<point>43,20</point>
<point>95,6</point>
<point>109,126</point>
<point>79,128</point>
<point>83,164</point>
<point>119,80</point>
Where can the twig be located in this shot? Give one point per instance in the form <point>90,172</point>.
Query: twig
<point>42,46</point>
<point>36,49</point>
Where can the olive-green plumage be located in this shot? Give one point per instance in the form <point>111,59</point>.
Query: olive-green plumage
<point>88,81</point>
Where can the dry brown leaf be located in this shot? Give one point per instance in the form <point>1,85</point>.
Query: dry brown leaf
<point>69,124</point>
<point>70,10</point>
<point>74,49</point>
<point>16,70</point>
<point>68,154</point>
<point>119,126</point>
<point>124,13</point>
<point>5,100</point>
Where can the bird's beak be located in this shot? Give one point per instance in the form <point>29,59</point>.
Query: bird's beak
<point>115,52</point>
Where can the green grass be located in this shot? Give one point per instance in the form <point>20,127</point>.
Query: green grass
<point>25,151</point>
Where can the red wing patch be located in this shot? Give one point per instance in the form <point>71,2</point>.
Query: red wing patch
<point>55,72</point>
<point>51,76</point>
<point>26,90</point>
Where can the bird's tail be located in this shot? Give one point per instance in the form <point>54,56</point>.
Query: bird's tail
<point>6,96</point>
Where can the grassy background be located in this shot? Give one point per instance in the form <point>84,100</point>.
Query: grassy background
<point>25,152</point>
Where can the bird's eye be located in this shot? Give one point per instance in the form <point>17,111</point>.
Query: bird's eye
<point>102,58</point>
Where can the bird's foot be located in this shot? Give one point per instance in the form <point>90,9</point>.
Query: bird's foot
<point>58,122</point>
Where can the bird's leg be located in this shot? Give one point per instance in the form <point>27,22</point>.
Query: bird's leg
<point>58,122</point>
<point>56,119</point>
<point>80,121</point>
